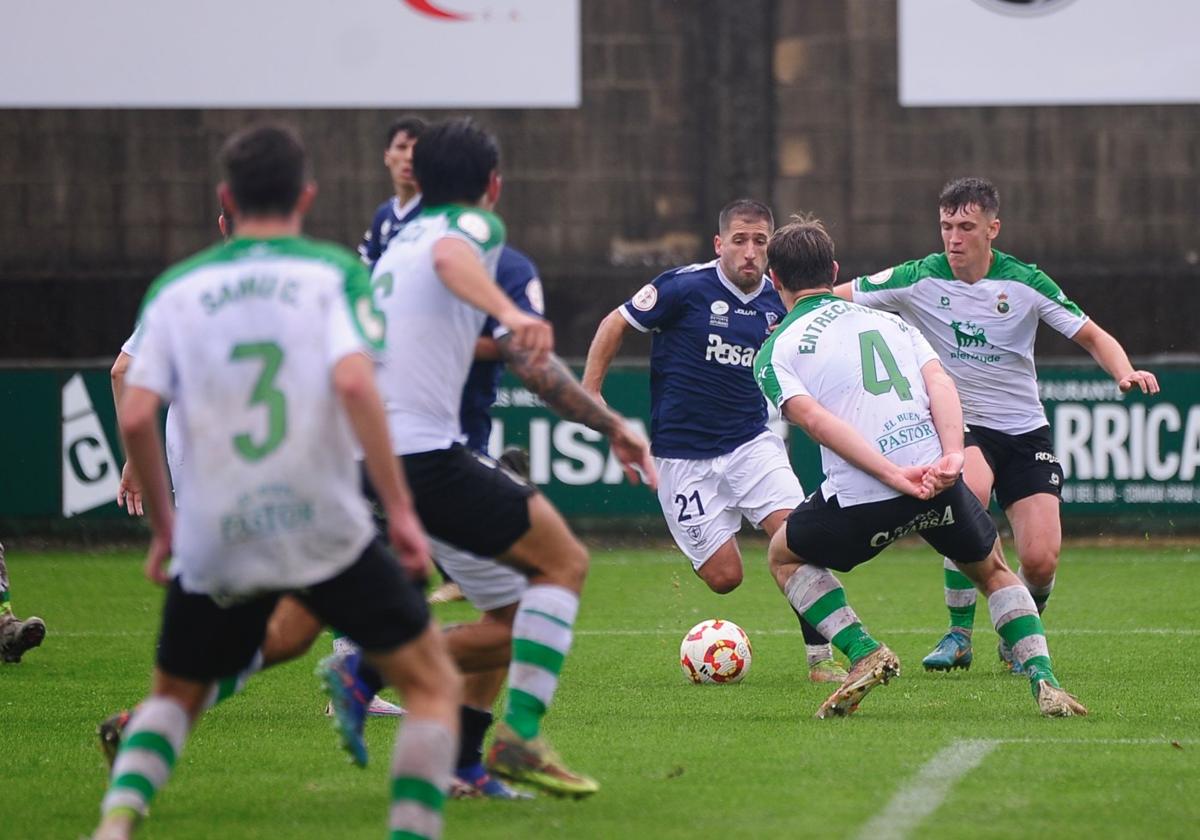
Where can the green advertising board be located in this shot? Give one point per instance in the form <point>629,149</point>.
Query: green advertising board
<point>1130,460</point>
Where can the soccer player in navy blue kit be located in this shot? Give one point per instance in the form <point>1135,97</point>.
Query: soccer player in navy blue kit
<point>393,214</point>
<point>716,458</point>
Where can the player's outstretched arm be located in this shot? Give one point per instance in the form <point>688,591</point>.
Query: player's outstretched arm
<point>844,290</point>
<point>463,274</point>
<point>827,429</point>
<point>605,344</point>
<point>946,409</point>
<point>1111,356</point>
<point>137,418</point>
<point>354,384</point>
<point>553,381</point>
<point>129,495</point>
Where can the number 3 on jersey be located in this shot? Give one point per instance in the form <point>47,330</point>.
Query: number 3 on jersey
<point>871,346</point>
<point>266,394</point>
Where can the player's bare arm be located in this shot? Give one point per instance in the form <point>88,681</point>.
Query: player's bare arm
<point>605,344</point>
<point>946,409</point>
<point>1111,356</point>
<point>553,381</point>
<point>129,495</point>
<point>486,349</point>
<point>827,429</point>
<point>354,383</point>
<point>463,274</point>
<point>844,290</point>
<point>138,420</point>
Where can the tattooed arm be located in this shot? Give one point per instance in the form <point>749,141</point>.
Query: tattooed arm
<point>553,381</point>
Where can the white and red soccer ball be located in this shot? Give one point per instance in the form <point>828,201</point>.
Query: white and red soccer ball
<point>715,651</point>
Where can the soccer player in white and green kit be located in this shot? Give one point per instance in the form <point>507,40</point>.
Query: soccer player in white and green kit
<point>870,390</point>
<point>979,309</point>
<point>262,347</point>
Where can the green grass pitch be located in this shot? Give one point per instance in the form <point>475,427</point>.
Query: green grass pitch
<point>929,756</point>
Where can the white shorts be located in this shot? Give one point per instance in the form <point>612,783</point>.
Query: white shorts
<point>704,500</point>
<point>487,583</point>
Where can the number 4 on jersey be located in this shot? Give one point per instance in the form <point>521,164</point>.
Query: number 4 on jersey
<point>872,346</point>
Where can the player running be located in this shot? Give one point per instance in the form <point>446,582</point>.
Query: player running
<point>869,389</point>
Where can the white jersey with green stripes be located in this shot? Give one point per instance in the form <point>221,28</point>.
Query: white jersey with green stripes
<point>983,332</point>
<point>431,332</point>
<point>863,366</point>
<point>242,339</point>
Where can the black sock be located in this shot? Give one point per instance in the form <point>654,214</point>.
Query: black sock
<point>475,723</point>
<point>811,636</point>
<point>370,677</point>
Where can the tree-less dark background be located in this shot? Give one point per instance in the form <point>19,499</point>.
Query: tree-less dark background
<point>685,105</point>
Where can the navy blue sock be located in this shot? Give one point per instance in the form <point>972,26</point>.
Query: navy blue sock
<point>475,723</point>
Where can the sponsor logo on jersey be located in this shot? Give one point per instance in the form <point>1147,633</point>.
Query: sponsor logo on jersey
<point>1002,304</point>
<point>90,475</point>
<point>1045,456</point>
<point>719,307</point>
<point>968,334</point>
<point>475,226</point>
<point>645,298</point>
<point>718,320</point>
<point>921,522</point>
<point>750,312</point>
<point>728,354</point>
<point>944,302</point>
<point>880,277</point>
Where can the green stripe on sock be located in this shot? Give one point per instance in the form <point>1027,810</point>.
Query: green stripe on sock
<point>524,713</point>
<point>153,742</point>
<point>825,606</point>
<point>957,580</point>
<point>549,617</point>
<point>963,617</point>
<point>5,597</point>
<point>1039,668</point>
<point>855,642</point>
<point>136,782</point>
<point>407,835</point>
<point>226,688</point>
<point>1019,628</point>
<point>535,653</point>
<point>418,790</point>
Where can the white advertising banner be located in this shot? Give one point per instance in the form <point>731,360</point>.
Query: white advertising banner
<point>1048,52</point>
<point>294,54</point>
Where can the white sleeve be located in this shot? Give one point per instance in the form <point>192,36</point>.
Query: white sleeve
<point>153,365</point>
<point>343,336</point>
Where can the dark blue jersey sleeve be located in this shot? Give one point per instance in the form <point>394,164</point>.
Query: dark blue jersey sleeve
<point>517,276</point>
<point>372,243</point>
<point>657,304</point>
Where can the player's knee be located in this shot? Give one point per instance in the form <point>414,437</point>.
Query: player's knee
<point>1038,567</point>
<point>721,579</point>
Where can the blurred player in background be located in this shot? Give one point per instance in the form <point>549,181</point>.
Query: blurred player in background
<point>402,136</point>
<point>717,460</point>
<point>274,504</point>
<point>980,310</point>
<point>869,389</point>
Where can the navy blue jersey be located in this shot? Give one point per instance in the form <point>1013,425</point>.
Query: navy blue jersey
<point>704,401</point>
<point>517,276</point>
<point>389,218</point>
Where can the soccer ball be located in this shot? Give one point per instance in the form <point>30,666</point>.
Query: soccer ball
<point>715,651</point>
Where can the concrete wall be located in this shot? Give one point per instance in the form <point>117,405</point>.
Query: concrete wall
<point>685,105</point>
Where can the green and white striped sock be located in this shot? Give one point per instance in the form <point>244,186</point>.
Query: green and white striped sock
<point>229,686</point>
<point>960,598</point>
<point>422,762</point>
<point>818,596</point>
<point>149,746</point>
<point>5,603</point>
<point>542,632</point>
<point>1041,594</point>
<point>1016,620</point>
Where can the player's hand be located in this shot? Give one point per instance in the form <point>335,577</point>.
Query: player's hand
<point>943,475</point>
<point>910,481</point>
<point>409,540</point>
<point>157,557</point>
<point>129,495</point>
<point>530,335</point>
<point>633,451</point>
<point>1143,379</point>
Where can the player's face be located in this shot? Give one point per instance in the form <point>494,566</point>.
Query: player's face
<point>742,250</point>
<point>398,159</point>
<point>967,236</point>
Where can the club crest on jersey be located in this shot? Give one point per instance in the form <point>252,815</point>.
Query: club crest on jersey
<point>475,226</point>
<point>880,277</point>
<point>1002,304</point>
<point>645,298</point>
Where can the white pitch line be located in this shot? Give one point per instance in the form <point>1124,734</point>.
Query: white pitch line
<point>925,792</point>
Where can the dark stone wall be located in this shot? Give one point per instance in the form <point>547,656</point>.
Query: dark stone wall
<point>686,104</point>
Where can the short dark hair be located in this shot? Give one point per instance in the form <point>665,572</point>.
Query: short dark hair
<point>961,193</point>
<point>453,162</point>
<point>265,167</point>
<point>411,125</point>
<point>801,254</point>
<point>744,208</point>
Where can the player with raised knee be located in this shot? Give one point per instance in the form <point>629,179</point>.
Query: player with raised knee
<point>717,460</point>
<point>870,390</point>
<point>261,343</point>
<point>979,309</point>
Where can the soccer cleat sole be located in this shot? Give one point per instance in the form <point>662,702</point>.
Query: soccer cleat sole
<point>882,667</point>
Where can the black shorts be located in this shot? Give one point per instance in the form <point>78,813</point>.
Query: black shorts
<point>825,534</point>
<point>467,499</point>
<point>1022,464</point>
<point>372,602</point>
